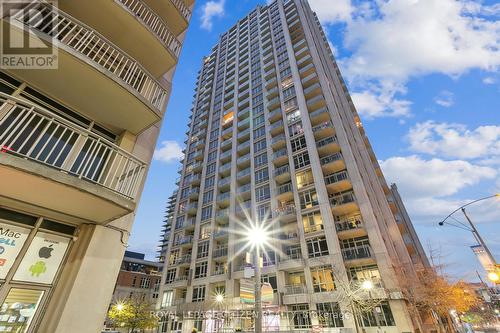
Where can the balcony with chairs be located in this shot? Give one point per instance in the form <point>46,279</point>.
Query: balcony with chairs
<point>350,226</point>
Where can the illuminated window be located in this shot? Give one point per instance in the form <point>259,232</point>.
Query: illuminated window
<point>322,279</point>
<point>304,178</point>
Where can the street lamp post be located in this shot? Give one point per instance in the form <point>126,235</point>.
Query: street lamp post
<point>258,292</point>
<point>257,238</point>
<point>473,228</point>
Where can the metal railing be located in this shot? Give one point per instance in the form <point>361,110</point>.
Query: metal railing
<point>282,170</point>
<point>154,22</point>
<point>294,289</point>
<point>285,188</point>
<point>336,177</point>
<point>331,158</point>
<point>358,252</point>
<point>182,8</point>
<point>221,252</point>
<point>342,198</point>
<point>349,223</point>
<point>313,228</point>
<point>40,135</point>
<point>77,36</point>
<point>326,141</point>
<point>284,210</point>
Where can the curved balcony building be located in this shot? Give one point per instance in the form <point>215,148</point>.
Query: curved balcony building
<point>83,88</point>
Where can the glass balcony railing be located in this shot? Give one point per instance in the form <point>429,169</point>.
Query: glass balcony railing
<point>342,199</point>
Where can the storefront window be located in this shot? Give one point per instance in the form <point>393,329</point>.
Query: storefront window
<point>18,309</point>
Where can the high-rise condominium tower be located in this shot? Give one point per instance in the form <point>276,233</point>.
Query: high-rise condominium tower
<point>275,138</point>
<point>83,89</point>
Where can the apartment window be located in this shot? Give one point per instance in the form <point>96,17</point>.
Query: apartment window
<point>367,272</point>
<point>312,222</point>
<point>185,193</point>
<point>205,231</point>
<point>168,297</point>
<point>301,160</point>
<point>179,222</point>
<point>289,92</point>
<point>212,156</point>
<point>308,199</point>
<point>198,294</point>
<point>259,146</point>
<point>262,193</point>
<point>295,129</point>
<point>210,169</point>
<point>298,143</point>
<point>304,178</point>
<point>258,109</point>
<point>209,182</point>
<point>271,279</point>
<point>290,104</point>
<point>259,132</point>
<point>317,247</point>
<point>174,255</point>
<point>263,212</point>
<point>170,276</point>
<point>214,134</point>
<point>260,160</point>
<point>258,120</point>
<point>202,250</point>
<point>261,176</point>
<point>329,315</point>
<point>285,72</point>
<point>381,315</point>
<point>257,99</point>
<point>208,196</point>
<point>322,279</point>
<point>206,213</point>
<point>293,116</point>
<point>200,270</point>
<point>145,282</point>
<point>300,318</point>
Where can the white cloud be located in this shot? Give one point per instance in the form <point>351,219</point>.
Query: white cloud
<point>455,140</point>
<point>445,99</point>
<point>168,151</point>
<point>420,178</point>
<point>330,13</point>
<point>430,187</point>
<point>442,37</point>
<point>396,40</point>
<point>380,102</point>
<point>210,10</point>
<point>489,80</point>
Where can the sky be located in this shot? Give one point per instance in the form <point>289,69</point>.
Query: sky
<point>424,76</point>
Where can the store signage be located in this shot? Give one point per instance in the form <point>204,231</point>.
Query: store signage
<point>12,239</point>
<point>43,258</point>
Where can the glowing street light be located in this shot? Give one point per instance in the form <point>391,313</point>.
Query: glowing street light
<point>494,277</point>
<point>367,285</point>
<point>257,237</point>
<point>219,298</point>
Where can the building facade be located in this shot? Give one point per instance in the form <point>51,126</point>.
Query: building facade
<point>137,278</point>
<point>77,135</point>
<point>275,138</point>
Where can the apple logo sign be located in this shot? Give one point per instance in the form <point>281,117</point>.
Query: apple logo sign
<point>45,252</point>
